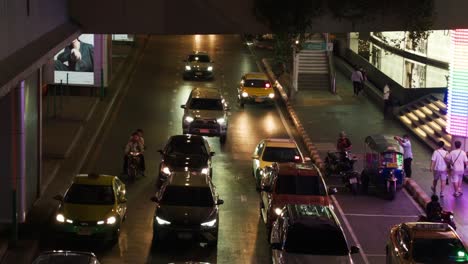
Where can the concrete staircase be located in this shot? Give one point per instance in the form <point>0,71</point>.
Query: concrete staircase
<point>313,72</point>
<point>426,117</point>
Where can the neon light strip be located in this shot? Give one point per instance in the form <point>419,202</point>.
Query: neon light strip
<point>458,84</point>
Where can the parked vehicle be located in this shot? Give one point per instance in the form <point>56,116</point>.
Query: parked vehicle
<point>383,165</point>
<point>445,217</point>
<point>338,162</point>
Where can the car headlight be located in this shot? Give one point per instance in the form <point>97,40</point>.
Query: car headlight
<point>60,218</point>
<point>245,94</point>
<point>111,220</point>
<point>271,95</point>
<point>209,223</point>
<point>189,119</point>
<point>188,68</point>
<point>204,171</point>
<point>166,170</point>
<point>221,120</point>
<point>210,68</point>
<point>100,222</point>
<point>162,221</point>
<point>278,211</point>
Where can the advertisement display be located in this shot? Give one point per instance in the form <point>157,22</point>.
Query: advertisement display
<point>122,37</point>
<point>75,63</point>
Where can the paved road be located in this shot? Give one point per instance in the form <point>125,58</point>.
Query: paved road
<point>152,103</point>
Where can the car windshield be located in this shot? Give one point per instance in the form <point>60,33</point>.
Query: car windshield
<point>256,83</point>
<point>199,58</point>
<point>186,146</point>
<point>188,196</point>
<point>206,104</point>
<point>324,239</point>
<point>69,258</point>
<point>300,185</point>
<point>439,251</point>
<point>90,194</point>
<point>275,154</point>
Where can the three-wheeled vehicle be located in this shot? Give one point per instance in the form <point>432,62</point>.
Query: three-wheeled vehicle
<point>383,164</point>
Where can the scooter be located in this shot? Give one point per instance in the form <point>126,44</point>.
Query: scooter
<point>351,180</point>
<point>134,165</point>
<point>446,217</point>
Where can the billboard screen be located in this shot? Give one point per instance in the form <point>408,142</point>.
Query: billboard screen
<point>75,63</point>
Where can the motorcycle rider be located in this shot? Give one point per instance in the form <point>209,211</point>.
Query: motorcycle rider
<point>434,209</point>
<point>343,145</point>
<point>139,131</point>
<point>133,145</point>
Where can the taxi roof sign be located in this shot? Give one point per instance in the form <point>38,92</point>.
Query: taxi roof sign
<point>432,226</point>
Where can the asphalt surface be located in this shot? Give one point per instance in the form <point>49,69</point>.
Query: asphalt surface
<point>152,102</point>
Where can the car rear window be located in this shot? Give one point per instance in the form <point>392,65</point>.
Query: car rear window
<point>322,239</point>
<point>256,83</point>
<point>199,58</point>
<point>188,196</point>
<point>276,154</point>
<point>439,251</point>
<point>186,146</point>
<point>300,185</point>
<point>90,194</point>
<point>206,104</point>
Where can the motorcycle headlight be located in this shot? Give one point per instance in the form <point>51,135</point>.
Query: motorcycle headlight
<point>221,120</point>
<point>210,68</point>
<point>209,223</point>
<point>271,95</point>
<point>166,170</point>
<point>204,171</point>
<point>189,119</point>
<point>245,94</point>
<point>188,68</point>
<point>60,218</point>
<point>111,220</point>
<point>162,221</point>
<point>278,211</point>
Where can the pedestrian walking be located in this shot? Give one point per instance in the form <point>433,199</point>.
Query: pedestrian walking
<point>407,154</point>
<point>438,168</point>
<point>356,78</point>
<point>386,98</point>
<point>458,160</point>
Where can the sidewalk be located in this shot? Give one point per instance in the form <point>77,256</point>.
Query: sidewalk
<point>69,131</point>
<point>323,115</point>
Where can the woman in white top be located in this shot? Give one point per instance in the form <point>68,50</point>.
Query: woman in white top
<point>458,161</point>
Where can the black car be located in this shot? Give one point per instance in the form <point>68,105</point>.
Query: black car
<point>185,153</point>
<point>309,234</point>
<point>187,207</point>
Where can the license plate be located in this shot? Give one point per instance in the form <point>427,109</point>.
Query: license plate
<point>258,100</point>
<point>392,165</point>
<point>352,180</point>
<point>204,131</point>
<point>198,73</point>
<point>184,235</point>
<point>85,231</point>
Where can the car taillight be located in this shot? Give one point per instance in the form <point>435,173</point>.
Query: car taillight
<point>267,85</point>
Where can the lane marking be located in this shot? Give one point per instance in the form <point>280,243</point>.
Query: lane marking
<point>376,255</point>
<point>382,215</point>
<point>348,226</point>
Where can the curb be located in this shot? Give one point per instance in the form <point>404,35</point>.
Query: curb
<point>418,194</point>
<point>314,155</point>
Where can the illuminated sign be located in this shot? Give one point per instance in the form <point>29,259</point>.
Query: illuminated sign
<point>458,84</point>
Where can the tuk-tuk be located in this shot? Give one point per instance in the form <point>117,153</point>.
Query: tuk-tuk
<point>383,164</point>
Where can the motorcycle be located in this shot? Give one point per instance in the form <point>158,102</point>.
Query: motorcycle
<point>337,162</point>
<point>351,180</point>
<point>446,217</point>
<point>134,165</point>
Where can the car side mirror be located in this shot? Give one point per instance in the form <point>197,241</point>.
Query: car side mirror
<point>354,250</point>
<point>155,199</point>
<point>212,153</point>
<point>332,190</point>
<point>58,197</point>
<point>255,157</point>
<point>276,246</point>
<point>122,200</point>
<point>182,106</point>
<point>220,202</point>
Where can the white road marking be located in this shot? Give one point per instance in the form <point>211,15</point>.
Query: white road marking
<point>348,226</point>
<point>376,255</point>
<point>381,215</point>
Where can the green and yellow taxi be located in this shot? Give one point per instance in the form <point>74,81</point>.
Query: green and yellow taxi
<point>93,207</point>
<point>255,88</point>
<point>422,242</point>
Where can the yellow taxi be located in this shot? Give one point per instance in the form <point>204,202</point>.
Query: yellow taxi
<point>422,242</point>
<point>272,150</point>
<point>93,207</point>
<point>255,88</point>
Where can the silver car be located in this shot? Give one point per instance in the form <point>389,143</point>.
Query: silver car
<point>198,65</point>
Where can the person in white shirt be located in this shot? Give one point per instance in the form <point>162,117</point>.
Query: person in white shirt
<point>439,168</point>
<point>407,154</point>
<point>458,161</point>
<point>386,98</point>
<point>357,79</point>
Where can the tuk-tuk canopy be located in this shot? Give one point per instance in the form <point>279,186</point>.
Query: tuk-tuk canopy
<point>383,143</point>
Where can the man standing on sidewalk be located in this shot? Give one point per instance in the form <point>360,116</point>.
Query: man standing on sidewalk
<point>458,160</point>
<point>407,154</point>
<point>439,168</point>
<point>357,79</point>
